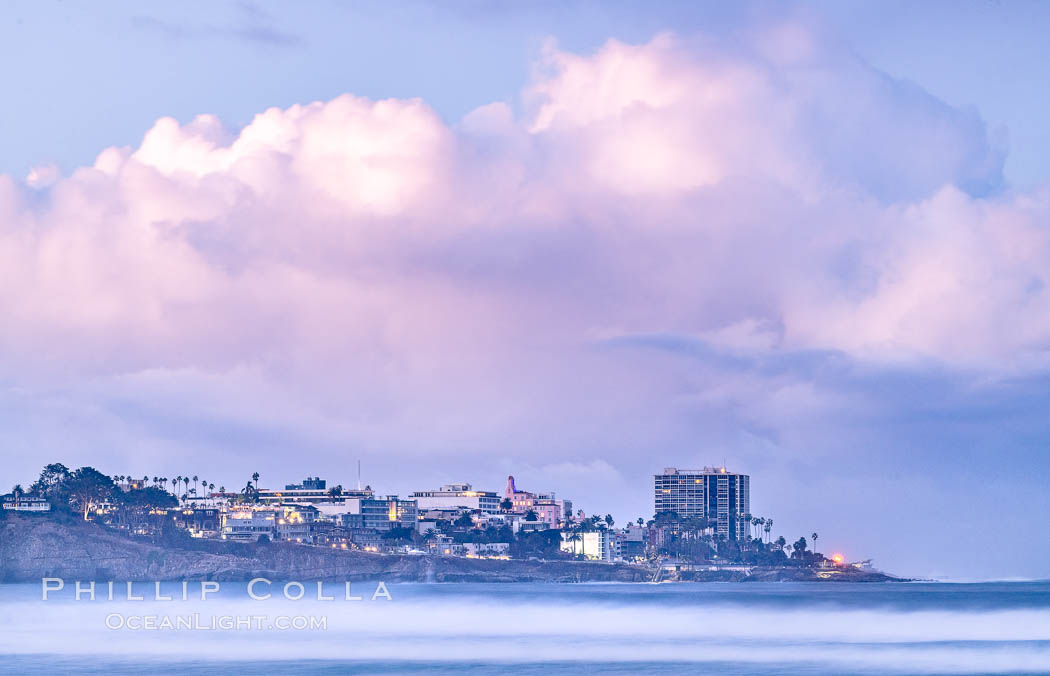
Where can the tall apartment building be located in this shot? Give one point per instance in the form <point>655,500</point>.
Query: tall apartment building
<point>710,493</point>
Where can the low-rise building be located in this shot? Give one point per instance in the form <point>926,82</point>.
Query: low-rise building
<point>457,496</point>
<point>201,522</point>
<point>25,503</point>
<point>633,541</point>
<point>315,491</point>
<point>248,523</point>
<point>384,514</point>
<point>481,549</point>
<point>596,545</point>
<point>546,506</point>
<point>296,523</point>
<point>443,545</point>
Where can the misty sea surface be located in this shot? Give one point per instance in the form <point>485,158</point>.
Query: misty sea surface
<point>699,628</point>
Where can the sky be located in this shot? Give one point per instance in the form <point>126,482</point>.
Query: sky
<point>573,242</point>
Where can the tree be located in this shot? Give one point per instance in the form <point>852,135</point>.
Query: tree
<point>194,484</point>
<point>641,522</point>
<point>609,520</point>
<point>544,544</point>
<point>88,487</point>
<point>781,543</point>
<point>255,478</point>
<point>799,549</point>
<point>769,527</point>
<point>530,515</point>
<point>51,479</point>
<point>464,521</point>
<point>665,518</point>
<point>149,497</point>
<point>576,536</point>
<point>814,543</point>
<point>506,505</point>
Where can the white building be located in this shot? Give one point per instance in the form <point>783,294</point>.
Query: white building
<point>245,523</point>
<point>596,545</point>
<point>486,548</point>
<point>315,491</point>
<point>24,503</point>
<point>452,496</point>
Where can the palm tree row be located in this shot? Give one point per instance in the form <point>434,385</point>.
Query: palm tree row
<point>162,482</point>
<point>760,525</point>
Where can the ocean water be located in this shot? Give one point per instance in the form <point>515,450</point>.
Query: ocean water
<point>525,629</point>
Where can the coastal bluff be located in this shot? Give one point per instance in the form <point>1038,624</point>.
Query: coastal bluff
<point>34,547</point>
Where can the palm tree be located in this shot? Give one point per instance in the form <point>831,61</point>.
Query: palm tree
<point>575,537</point>
<point>255,478</point>
<point>769,527</point>
<point>222,491</point>
<point>814,543</point>
<point>211,487</point>
<point>17,492</point>
<point>195,483</point>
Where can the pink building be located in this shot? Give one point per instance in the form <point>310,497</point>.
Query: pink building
<point>548,509</point>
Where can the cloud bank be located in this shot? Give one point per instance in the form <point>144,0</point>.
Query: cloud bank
<point>754,248</point>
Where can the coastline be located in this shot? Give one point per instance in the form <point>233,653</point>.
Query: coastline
<point>34,548</point>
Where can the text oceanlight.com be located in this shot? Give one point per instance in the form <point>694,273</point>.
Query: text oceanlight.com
<point>195,622</point>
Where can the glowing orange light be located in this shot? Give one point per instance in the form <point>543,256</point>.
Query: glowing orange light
<point>837,558</point>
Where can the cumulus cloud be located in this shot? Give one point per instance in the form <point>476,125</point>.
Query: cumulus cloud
<point>652,248</point>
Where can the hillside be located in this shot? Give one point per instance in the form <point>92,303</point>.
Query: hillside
<point>36,547</point>
<point>32,547</point>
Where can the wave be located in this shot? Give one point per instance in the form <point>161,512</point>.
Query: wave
<point>516,630</point>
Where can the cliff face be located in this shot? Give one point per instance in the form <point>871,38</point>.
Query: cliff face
<point>758,574</point>
<point>33,547</point>
<point>36,547</point>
